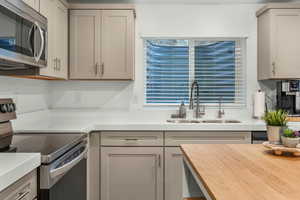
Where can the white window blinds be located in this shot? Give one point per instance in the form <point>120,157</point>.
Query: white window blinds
<point>167,71</point>
<point>217,66</point>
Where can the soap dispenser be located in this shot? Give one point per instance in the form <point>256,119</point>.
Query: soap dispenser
<point>182,110</point>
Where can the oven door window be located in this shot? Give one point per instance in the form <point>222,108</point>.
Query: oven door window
<point>16,33</point>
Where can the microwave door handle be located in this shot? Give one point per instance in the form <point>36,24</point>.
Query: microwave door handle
<point>37,59</point>
<point>30,38</point>
<point>63,169</point>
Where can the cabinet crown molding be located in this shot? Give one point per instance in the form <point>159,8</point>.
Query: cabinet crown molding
<point>277,6</point>
<point>98,6</point>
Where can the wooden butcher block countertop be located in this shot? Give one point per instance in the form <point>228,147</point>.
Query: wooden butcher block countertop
<point>244,172</point>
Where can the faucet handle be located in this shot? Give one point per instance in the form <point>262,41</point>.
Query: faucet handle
<point>202,109</point>
<point>223,112</point>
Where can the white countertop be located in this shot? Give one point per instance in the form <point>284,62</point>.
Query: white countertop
<point>98,120</point>
<point>14,166</point>
<point>103,120</point>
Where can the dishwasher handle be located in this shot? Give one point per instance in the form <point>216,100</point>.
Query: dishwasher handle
<point>66,167</point>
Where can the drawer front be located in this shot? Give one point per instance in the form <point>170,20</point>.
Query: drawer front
<point>177,138</point>
<point>128,138</point>
<point>23,189</point>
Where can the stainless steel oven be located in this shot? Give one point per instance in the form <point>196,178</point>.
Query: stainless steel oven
<point>63,173</point>
<point>23,38</point>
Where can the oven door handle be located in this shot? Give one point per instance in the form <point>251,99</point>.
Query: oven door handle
<point>63,169</point>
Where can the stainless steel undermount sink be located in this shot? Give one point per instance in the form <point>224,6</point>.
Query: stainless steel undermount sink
<point>209,121</point>
<point>183,121</point>
<point>222,121</point>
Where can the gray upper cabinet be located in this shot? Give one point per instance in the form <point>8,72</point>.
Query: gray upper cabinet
<point>102,44</point>
<point>35,4</point>
<point>85,58</point>
<point>57,15</point>
<point>117,44</point>
<point>61,39</point>
<point>278,44</point>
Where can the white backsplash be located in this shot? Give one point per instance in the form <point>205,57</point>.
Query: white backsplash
<point>91,94</point>
<point>29,95</point>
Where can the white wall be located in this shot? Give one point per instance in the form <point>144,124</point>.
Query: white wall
<point>29,95</point>
<point>190,20</point>
<point>183,20</point>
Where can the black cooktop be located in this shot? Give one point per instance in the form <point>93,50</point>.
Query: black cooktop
<point>8,149</point>
<point>51,146</point>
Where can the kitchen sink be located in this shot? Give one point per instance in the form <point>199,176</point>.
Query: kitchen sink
<point>183,121</point>
<point>213,121</point>
<point>209,121</point>
<point>221,121</point>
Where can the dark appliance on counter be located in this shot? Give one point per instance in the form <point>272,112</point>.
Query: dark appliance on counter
<point>63,172</point>
<point>259,137</point>
<point>23,39</point>
<point>288,96</point>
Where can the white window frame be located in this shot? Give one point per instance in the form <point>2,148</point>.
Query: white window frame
<point>243,42</point>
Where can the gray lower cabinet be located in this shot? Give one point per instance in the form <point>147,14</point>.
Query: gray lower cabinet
<point>175,138</point>
<point>132,173</point>
<point>23,189</point>
<point>148,165</point>
<point>177,182</point>
<point>173,173</point>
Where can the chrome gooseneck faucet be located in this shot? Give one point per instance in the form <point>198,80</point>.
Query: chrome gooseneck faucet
<point>198,113</point>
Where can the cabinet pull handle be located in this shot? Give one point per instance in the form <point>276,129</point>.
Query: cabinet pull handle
<point>59,64</point>
<point>102,69</point>
<point>22,195</point>
<point>177,155</point>
<point>55,64</point>
<point>159,160</point>
<point>131,139</point>
<point>274,68</point>
<point>96,68</point>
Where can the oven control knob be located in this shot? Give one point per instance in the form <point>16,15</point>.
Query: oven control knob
<point>13,106</point>
<point>3,108</point>
<point>10,108</point>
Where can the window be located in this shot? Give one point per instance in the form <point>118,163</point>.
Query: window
<point>172,65</point>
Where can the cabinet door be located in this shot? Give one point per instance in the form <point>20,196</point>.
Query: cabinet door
<point>48,9</point>
<point>178,184</point>
<point>117,44</point>
<point>173,173</point>
<point>61,41</point>
<point>286,31</point>
<point>93,180</point>
<point>35,4</point>
<point>85,28</point>
<point>129,173</point>
<point>176,138</point>
<point>132,138</point>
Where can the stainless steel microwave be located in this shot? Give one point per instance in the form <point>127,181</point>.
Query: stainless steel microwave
<point>23,39</point>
